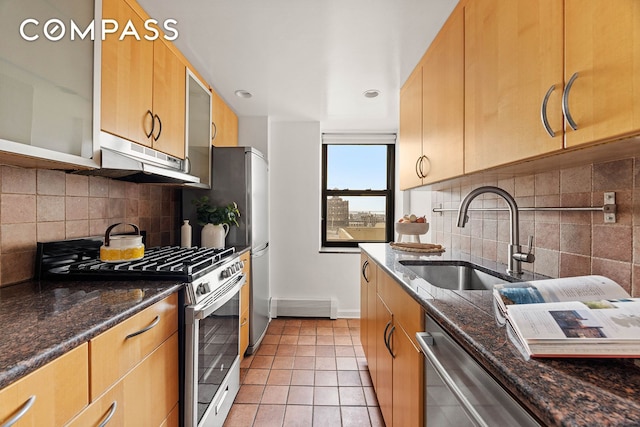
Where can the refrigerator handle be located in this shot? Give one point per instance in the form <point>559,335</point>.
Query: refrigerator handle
<point>259,251</point>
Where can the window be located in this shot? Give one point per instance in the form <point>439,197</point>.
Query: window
<point>357,189</point>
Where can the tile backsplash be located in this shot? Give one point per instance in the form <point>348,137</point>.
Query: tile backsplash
<point>565,243</point>
<point>45,205</point>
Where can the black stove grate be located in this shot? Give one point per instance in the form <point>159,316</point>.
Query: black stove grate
<point>80,259</point>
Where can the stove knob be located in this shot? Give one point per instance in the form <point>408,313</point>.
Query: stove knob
<point>202,289</point>
<point>241,263</point>
<point>230,271</point>
<point>225,273</point>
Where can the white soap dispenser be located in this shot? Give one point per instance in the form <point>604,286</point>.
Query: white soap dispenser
<point>185,234</point>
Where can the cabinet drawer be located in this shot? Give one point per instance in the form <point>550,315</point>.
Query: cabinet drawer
<point>151,388</point>
<point>110,406</point>
<point>60,389</point>
<point>116,351</point>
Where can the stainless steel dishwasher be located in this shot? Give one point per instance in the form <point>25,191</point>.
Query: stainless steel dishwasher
<point>458,391</point>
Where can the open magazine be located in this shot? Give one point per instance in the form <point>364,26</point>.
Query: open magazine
<point>586,316</point>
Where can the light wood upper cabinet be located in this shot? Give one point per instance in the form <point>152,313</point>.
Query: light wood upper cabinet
<point>443,102</point>
<point>410,135</point>
<point>143,86</point>
<point>224,123</point>
<point>60,389</point>
<point>127,84</point>
<point>602,45</point>
<point>513,55</point>
<point>169,89</point>
<point>432,110</point>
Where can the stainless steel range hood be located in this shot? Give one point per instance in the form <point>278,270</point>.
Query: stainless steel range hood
<point>128,161</point>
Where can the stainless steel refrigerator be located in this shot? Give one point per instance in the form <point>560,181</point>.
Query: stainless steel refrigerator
<point>241,174</point>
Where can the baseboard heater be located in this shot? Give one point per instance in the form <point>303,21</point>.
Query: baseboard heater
<point>289,307</point>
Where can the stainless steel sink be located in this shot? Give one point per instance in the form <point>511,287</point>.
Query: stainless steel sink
<point>456,275</point>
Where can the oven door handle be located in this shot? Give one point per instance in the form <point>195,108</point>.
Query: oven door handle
<point>208,309</point>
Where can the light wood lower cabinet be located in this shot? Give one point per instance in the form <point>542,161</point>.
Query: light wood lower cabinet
<point>368,297</point>
<point>128,375</point>
<point>384,362</point>
<point>109,409</point>
<point>391,318</point>
<point>118,350</point>
<point>408,378</point>
<point>58,390</point>
<point>151,388</point>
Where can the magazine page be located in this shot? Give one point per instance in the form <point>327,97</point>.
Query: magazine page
<point>581,288</point>
<point>603,320</point>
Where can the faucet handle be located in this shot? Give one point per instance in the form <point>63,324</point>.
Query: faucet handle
<point>526,257</point>
<point>530,244</point>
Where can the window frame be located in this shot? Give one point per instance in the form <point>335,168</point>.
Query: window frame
<point>389,193</point>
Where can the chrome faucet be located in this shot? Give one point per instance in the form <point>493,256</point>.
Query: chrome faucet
<point>516,257</point>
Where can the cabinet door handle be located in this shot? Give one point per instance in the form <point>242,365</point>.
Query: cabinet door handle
<point>419,167</point>
<point>391,331</point>
<point>23,410</point>
<point>423,158</point>
<point>153,124</point>
<point>112,410</point>
<point>543,112</point>
<point>155,138</point>
<point>364,270</point>
<point>215,131</point>
<point>565,102</point>
<point>384,334</point>
<point>387,340</point>
<point>143,330</point>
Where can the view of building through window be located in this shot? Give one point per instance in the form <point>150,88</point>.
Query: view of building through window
<point>365,221</point>
<point>357,193</point>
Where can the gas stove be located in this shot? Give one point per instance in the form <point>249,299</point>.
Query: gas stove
<point>79,259</point>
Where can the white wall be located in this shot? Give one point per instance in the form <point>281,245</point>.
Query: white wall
<point>254,132</point>
<point>298,270</point>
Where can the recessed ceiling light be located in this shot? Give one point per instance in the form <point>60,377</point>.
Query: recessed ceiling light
<point>371,93</point>
<point>243,93</point>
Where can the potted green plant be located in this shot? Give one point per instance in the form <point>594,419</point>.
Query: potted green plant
<point>216,221</point>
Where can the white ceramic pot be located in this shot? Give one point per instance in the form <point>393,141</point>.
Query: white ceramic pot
<point>213,236</point>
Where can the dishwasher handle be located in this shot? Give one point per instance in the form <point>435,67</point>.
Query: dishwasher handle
<point>426,341</point>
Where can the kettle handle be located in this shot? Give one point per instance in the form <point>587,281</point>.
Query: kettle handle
<point>107,234</point>
<point>226,229</point>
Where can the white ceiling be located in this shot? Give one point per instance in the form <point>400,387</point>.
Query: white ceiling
<point>307,60</point>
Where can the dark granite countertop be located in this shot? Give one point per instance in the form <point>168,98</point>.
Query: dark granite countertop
<point>560,392</point>
<point>42,321</point>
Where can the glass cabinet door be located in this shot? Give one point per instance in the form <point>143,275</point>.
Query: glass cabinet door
<point>46,83</point>
<point>198,131</point>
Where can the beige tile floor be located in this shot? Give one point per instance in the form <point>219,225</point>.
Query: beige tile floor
<point>307,372</point>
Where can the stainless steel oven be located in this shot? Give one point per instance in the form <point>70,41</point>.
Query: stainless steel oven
<point>212,330</point>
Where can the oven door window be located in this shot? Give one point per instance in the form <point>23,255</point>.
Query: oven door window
<point>217,350</point>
